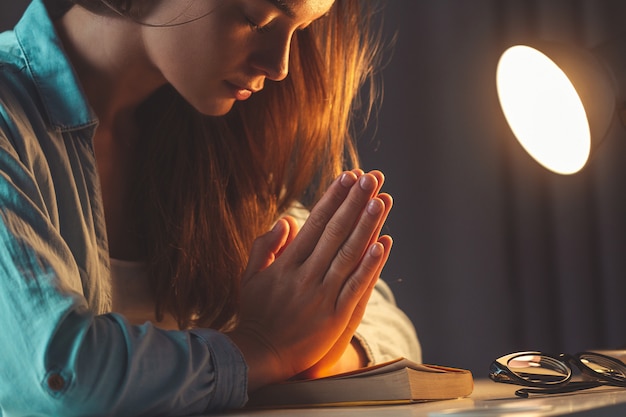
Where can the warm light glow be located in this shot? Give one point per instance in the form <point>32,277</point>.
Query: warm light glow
<point>543,109</point>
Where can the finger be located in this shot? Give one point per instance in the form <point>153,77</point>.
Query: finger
<point>349,253</point>
<point>380,177</point>
<point>364,278</point>
<point>359,310</point>
<point>388,201</point>
<point>385,197</point>
<point>293,231</point>
<point>340,192</point>
<point>387,242</point>
<point>265,247</point>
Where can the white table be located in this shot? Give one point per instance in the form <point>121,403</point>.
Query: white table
<point>488,399</point>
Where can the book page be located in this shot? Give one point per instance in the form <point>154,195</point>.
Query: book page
<point>385,367</point>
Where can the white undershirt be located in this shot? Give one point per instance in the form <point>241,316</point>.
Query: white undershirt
<point>132,296</point>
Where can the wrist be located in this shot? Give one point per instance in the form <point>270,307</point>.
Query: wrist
<point>353,357</point>
<point>264,365</point>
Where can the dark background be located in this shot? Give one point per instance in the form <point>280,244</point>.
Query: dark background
<point>492,253</point>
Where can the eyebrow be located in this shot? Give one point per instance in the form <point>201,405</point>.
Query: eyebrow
<point>283,7</point>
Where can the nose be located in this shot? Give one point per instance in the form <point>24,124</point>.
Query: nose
<point>272,58</point>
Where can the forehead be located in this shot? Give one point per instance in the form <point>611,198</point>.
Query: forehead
<point>303,8</point>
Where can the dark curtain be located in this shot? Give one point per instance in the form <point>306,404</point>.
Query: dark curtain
<point>492,253</point>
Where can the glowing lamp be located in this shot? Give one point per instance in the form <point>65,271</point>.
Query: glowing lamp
<point>558,100</point>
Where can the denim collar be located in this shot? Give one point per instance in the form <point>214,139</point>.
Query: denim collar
<point>52,74</point>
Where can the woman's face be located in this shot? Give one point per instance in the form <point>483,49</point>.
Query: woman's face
<point>228,54</point>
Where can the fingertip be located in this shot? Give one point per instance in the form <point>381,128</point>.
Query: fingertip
<point>348,179</point>
<point>293,225</point>
<point>289,221</point>
<point>280,226</point>
<point>386,241</point>
<point>375,206</point>
<point>386,198</point>
<point>377,250</point>
<point>368,182</point>
<point>379,176</point>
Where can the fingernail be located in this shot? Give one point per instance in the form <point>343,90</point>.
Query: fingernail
<point>347,179</point>
<point>278,227</point>
<point>367,182</point>
<point>377,250</point>
<point>374,207</point>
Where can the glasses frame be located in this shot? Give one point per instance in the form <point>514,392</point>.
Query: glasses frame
<point>499,371</point>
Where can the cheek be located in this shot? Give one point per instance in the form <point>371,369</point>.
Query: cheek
<point>189,65</point>
<point>196,61</point>
<point>180,57</point>
<point>200,47</point>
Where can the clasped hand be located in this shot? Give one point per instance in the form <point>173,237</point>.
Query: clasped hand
<point>304,293</point>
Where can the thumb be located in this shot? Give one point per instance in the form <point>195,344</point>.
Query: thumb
<point>266,248</point>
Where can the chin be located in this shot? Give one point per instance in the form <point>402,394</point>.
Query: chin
<point>214,108</point>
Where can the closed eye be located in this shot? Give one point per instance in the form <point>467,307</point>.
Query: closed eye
<point>259,28</point>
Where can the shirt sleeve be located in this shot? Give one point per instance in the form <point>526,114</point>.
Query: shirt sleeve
<point>59,359</point>
<point>385,332</point>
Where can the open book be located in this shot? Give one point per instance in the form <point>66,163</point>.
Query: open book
<point>396,382</point>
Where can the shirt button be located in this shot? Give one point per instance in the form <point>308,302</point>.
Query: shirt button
<point>56,382</point>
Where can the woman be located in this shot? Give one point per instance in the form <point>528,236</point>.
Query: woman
<point>146,148</point>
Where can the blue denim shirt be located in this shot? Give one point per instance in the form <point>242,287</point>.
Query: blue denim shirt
<point>62,352</point>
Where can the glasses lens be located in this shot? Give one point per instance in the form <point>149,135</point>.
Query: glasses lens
<point>539,369</point>
<point>609,368</point>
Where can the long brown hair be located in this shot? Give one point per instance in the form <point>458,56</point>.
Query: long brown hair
<point>208,186</point>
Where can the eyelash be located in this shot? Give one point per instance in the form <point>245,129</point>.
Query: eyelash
<point>259,28</point>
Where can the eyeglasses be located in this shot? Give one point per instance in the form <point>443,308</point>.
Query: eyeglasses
<point>552,374</point>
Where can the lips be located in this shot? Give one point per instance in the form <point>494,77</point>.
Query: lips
<point>241,92</point>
